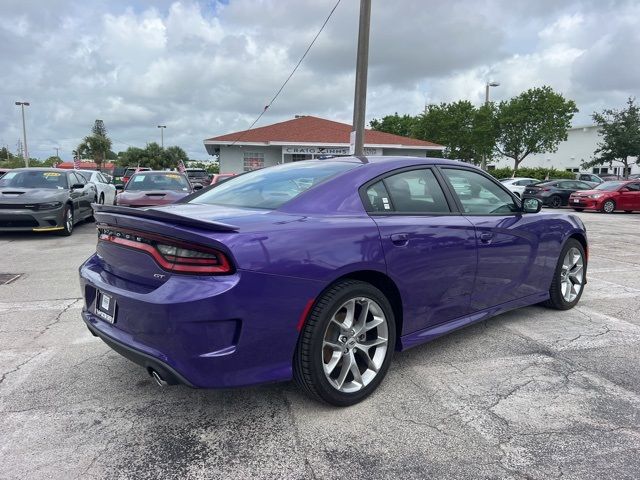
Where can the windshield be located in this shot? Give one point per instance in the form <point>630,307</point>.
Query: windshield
<point>34,179</point>
<point>157,181</point>
<point>610,186</point>
<point>270,188</point>
<point>196,173</point>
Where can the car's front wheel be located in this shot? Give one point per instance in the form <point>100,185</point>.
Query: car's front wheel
<point>67,226</point>
<point>608,206</point>
<point>569,277</point>
<point>346,345</point>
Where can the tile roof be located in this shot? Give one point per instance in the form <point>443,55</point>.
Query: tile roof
<point>309,129</point>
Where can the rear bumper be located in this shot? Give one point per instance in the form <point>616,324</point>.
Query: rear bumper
<point>145,360</point>
<point>586,203</point>
<point>30,220</point>
<point>205,332</point>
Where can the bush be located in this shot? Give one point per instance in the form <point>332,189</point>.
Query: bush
<point>537,172</point>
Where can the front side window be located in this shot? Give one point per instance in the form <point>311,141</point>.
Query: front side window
<point>253,161</point>
<point>478,194</point>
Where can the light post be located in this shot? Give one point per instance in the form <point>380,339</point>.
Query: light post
<point>162,127</point>
<point>486,103</point>
<point>362,65</point>
<point>24,133</point>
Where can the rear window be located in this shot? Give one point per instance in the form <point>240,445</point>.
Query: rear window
<point>157,181</point>
<point>270,188</point>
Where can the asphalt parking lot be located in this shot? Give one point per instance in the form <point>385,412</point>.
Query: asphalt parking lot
<point>533,393</point>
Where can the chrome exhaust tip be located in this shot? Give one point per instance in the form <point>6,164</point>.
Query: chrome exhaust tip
<point>159,380</point>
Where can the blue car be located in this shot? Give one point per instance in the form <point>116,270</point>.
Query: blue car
<point>319,270</point>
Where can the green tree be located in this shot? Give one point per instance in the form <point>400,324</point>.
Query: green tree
<point>396,124</point>
<point>152,156</point>
<point>620,132</point>
<point>535,121</point>
<point>97,145</point>
<point>467,132</point>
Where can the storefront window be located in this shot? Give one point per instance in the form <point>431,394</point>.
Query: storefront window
<point>253,161</point>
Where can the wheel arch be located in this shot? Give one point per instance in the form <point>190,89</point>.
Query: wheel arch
<point>383,283</point>
<point>580,237</point>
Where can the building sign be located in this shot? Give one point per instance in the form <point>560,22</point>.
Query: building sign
<point>327,150</point>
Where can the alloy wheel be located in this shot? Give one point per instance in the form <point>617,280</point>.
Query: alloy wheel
<point>355,344</point>
<point>572,274</point>
<point>609,206</point>
<point>556,202</point>
<point>69,220</point>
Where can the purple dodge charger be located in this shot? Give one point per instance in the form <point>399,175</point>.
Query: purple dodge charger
<point>319,270</point>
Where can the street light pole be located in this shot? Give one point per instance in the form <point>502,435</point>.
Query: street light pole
<point>362,65</point>
<point>24,133</point>
<point>162,127</point>
<point>483,165</point>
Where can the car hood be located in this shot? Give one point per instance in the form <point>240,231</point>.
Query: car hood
<point>583,193</point>
<point>10,195</point>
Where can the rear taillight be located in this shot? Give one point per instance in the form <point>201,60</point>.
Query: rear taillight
<point>171,254</point>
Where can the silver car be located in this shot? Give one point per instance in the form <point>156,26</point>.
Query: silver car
<point>44,199</point>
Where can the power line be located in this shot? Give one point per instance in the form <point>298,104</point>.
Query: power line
<point>291,74</point>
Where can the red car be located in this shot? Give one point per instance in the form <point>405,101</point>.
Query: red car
<point>152,188</point>
<point>220,177</point>
<point>608,197</point>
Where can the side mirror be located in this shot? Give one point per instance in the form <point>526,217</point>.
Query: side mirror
<point>119,187</point>
<point>531,205</point>
<point>197,187</point>
<point>77,185</point>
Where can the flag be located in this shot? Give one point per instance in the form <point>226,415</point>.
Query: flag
<point>76,162</point>
<point>181,166</point>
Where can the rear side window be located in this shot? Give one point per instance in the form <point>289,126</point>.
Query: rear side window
<point>272,187</point>
<point>411,192</point>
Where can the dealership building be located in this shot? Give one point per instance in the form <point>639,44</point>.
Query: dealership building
<point>303,138</point>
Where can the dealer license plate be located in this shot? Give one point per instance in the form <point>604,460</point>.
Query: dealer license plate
<point>105,307</point>
<point>575,200</point>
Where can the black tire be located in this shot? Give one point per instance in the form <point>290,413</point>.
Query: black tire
<point>67,225</point>
<point>308,366</point>
<point>556,299</point>
<point>608,206</point>
<point>579,209</point>
<point>555,201</point>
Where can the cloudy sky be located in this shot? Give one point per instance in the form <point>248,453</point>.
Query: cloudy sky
<point>206,68</point>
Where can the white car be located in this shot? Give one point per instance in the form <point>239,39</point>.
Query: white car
<point>106,192</point>
<point>518,184</point>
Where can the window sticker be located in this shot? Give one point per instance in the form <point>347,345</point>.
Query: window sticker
<point>385,202</point>
<point>51,174</point>
<point>138,178</point>
<point>172,175</point>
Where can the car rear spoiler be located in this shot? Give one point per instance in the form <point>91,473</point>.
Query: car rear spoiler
<point>102,211</point>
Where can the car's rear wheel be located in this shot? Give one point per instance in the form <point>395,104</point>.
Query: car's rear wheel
<point>569,277</point>
<point>346,345</point>
<point>67,221</point>
<point>555,201</point>
<point>608,206</point>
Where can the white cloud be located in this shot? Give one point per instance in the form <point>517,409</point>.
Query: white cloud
<point>205,69</point>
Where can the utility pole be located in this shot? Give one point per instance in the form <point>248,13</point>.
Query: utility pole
<point>57,152</point>
<point>24,133</point>
<point>162,127</point>
<point>362,65</point>
<point>483,165</point>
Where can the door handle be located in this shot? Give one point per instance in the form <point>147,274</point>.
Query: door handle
<point>486,237</point>
<point>400,239</point>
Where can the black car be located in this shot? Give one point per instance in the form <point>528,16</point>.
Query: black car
<point>198,176</point>
<point>44,199</point>
<point>555,193</point>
